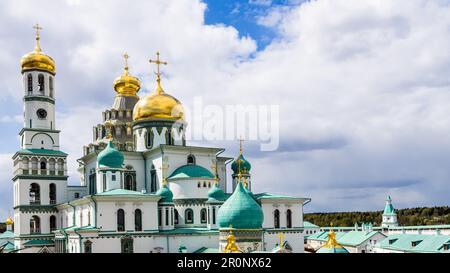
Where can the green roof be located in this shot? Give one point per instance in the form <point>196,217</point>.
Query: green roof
<point>39,242</point>
<point>7,235</point>
<point>41,151</point>
<point>240,211</point>
<point>206,250</point>
<point>350,238</point>
<point>7,246</point>
<point>423,227</point>
<point>189,231</point>
<point>389,209</point>
<point>216,194</point>
<point>332,250</point>
<point>307,224</point>
<point>241,163</point>
<point>110,157</point>
<point>166,194</point>
<point>266,195</point>
<point>423,243</point>
<point>191,171</point>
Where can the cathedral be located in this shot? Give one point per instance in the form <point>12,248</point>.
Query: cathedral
<point>142,189</point>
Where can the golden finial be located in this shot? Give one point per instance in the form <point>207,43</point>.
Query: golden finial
<point>241,141</point>
<point>163,168</point>
<point>332,243</point>
<point>216,177</point>
<point>158,62</point>
<point>231,246</point>
<point>126,57</point>
<point>281,237</point>
<point>38,46</point>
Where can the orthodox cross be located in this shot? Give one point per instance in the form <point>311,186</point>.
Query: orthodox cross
<point>163,168</point>
<point>158,62</point>
<point>126,57</point>
<point>37,28</point>
<point>214,167</point>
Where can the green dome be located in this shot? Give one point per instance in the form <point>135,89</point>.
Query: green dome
<point>110,157</point>
<point>216,194</point>
<point>191,171</point>
<point>166,194</point>
<point>245,166</point>
<point>240,211</point>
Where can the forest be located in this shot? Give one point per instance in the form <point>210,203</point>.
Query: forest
<point>406,217</point>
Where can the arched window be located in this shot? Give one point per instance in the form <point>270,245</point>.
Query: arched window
<point>189,216</point>
<point>288,218</point>
<point>276,218</point>
<point>203,216</point>
<point>153,179</point>
<point>176,217</point>
<point>191,159</point>
<point>89,217</point>
<point>214,215</point>
<point>120,220</point>
<point>30,84</point>
<point>129,182</point>
<point>41,83</point>
<point>104,181</point>
<point>52,194</point>
<point>35,225</point>
<point>138,220</point>
<point>149,139</point>
<point>35,194</point>
<point>52,223</point>
<point>88,247</point>
<point>43,165</point>
<point>126,244</point>
<point>169,138</point>
<point>50,85</point>
<point>167,216</point>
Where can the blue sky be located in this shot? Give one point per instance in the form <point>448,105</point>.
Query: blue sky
<point>363,86</point>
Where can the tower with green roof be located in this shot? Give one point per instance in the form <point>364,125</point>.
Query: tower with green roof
<point>389,214</point>
<point>109,169</point>
<point>241,166</point>
<point>241,216</point>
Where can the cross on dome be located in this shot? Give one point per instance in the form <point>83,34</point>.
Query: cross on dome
<point>37,28</point>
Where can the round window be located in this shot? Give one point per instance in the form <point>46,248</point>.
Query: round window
<point>41,113</point>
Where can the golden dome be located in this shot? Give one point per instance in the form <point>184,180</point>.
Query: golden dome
<point>127,85</point>
<point>9,221</point>
<point>37,59</point>
<point>158,105</point>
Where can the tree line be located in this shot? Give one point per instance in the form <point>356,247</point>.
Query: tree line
<point>420,216</point>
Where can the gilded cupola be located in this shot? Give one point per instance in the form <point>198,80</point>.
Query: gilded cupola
<point>38,60</point>
<point>158,104</point>
<point>126,84</point>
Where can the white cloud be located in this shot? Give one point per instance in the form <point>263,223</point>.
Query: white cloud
<point>363,86</point>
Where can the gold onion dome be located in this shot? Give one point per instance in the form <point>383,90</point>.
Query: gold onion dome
<point>9,221</point>
<point>158,104</point>
<point>38,60</point>
<point>125,84</point>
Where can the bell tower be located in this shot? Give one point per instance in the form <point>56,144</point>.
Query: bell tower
<point>40,168</point>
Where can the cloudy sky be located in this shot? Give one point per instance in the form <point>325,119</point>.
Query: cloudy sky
<point>363,87</point>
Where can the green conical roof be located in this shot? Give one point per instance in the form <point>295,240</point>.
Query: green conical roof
<point>166,194</point>
<point>389,209</point>
<point>240,211</point>
<point>242,164</point>
<point>216,194</point>
<point>110,157</point>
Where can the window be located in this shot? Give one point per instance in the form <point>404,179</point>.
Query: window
<point>203,216</point>
<point>35,225</point>
<point>276,218</point>
<point>191,159</point>
<point>52,194</point>
<point>120,220</point>
<point>169,138</point>
<point>159,217</point>
<point>77,195</point>
<point>50,84</point>
<point>288,218</point>
<point>167,216</point>
<point>88,247</point>
<point>113,177</point>
<point>149,139</point>
<point>92,184</point>
<point>52,223</point>
<point>35,194</point>
<point>129,182</point>
<point>214,215</point>
<point>176,217</point>
<point>89,217</point>
<point>199,184</point>
<point>138,220</point>
<point>126,244</point>
<point>41,83</point>
<point>43,165</point>
<point>104,181</point>
<point>189,216</point>
<point>30,84</point>
<point>153,179</point>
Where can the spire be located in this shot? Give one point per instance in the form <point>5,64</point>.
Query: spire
<point>332,243</point>
<point>126,57</point>
<point>158,62</point>
<point>38,38</point>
